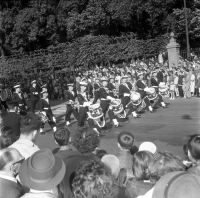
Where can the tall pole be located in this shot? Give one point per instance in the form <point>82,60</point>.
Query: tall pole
<point>187,34</point>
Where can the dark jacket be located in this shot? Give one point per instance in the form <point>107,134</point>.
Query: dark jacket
<point>10,189</point>
<point>135,188</point>
<point>12,120</point>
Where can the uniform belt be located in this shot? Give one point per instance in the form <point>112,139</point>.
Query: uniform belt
<point>126,94</point>
<point>46,108</point>
<point>104,99</point>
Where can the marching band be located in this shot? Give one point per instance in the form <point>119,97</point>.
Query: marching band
<point>117,96</point>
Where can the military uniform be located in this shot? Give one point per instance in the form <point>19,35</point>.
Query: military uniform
<point>96,92</point>
<point>34,96</point>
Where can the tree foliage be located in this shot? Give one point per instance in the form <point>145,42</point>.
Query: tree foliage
<point>27,25</point>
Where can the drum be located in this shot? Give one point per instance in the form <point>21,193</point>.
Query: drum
<point>135,98</point>
<point>95,113</point>
<point>151,93</point>
<point>6,95</point>
<point>117,108</point>
<point>43,117</point>
<point>163,90</point>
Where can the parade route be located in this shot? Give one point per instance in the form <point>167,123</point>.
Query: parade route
<point>168,128</point>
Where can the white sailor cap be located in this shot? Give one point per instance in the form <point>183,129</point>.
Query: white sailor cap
<point>43,91</point>
<point>139,73</point>
<point>34,81</point>
<point>83,84</point>
<point>70,85</point>
<point>104,79</point>
<point>17,85</point>
<point>44,86</point>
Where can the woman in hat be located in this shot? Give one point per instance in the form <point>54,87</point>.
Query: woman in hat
<point>84,102</point>
<point>45,108</point>
<point>70,104</point>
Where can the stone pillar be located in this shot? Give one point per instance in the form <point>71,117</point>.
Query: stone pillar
<point>173,49</point>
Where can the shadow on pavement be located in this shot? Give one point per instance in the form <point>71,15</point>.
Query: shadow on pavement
<point>186,117</point>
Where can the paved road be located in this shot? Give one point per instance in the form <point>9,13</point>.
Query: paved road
<point>168,128</point>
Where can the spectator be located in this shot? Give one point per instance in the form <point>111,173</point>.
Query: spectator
<point>192,84</point>
<point>12,119</point>
<point>86,141</point>
<point>63,139</point>
<point>162,164</point>
<point>180,83</point>
<point>30,128</point>
<point>100,153</point>
<point>139,184</point>
<point>41,173</point>
<point>10,162</point>
<point>125,143</point>
<point>6,137</point>
<point>93,179</point>
<point>194,154</point>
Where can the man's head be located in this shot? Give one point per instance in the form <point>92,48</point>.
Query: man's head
<point>6,137</point>
<point>30,125</point>
<point>125,140</point>
<point>62,136</point>
<point>10,161</point>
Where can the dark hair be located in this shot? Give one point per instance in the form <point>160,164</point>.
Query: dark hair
<point>30,123</point>
<point>62,136</point>
<point>141,161</point>
<point>86,140</point>
<point>6,137</point>
<point>126,140</point>
<point>194,146</point>
<point>93,179</point>
<point>100,153</point>
<point>134,149</point>
<point>6,156</point>
<point>164,163</point>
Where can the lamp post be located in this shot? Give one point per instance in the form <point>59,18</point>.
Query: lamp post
<point>186,28</point>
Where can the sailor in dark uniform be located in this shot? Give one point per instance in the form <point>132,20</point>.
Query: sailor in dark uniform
<point>124,93</point>
<point>155,84</point>
<point>70,104</point>
<point>84,102</point>
<point>18,97</point>
<point>96,90</point>
<point>111,87</point>
<point>105,99</point>
<point>2,103</point>
<point>45,108</point>
<point>34,95</point>
<point>141,89</point>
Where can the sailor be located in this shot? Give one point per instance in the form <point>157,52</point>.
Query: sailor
<point>96,90</point>
<point>105,99</point>
<point>84,102</point>
<point>18,97</point>
<point>124,93</point>
<point>70,104</point>
<point>141,89</point>
<point>111,87</point>
<point>34,95</point>
<point>45,108</point>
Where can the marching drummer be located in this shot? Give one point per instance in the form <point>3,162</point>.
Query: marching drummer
<point>45,108</point>
<point>18,97</point>
<point>34,95</point>
<point>125,92</point>
<point>111,87</point>
<point>84,102</point>
<point>70,97</point>
<point>96,90</point>
<point>105,99</point>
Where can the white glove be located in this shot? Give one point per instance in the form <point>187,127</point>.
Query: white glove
<point>36,93</point>
<point>54,119</point>
<point>146,89</point>
<point>110,98</point>
<point>44,113</point>
<point>85,104</point>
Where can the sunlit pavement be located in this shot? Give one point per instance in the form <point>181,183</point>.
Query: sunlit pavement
<point>168,128</point>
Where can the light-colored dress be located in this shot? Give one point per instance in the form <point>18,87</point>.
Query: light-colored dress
<point>192,84</point>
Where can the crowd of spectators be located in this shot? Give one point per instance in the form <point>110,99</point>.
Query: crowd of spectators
<point>79,169</point>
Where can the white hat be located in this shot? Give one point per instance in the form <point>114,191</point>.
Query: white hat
<point>104,79</point>
<point>17,85</point>
<point>83,84</point>
<point>148,146</point>
<point>34,81</point>
<point>70,84</point>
